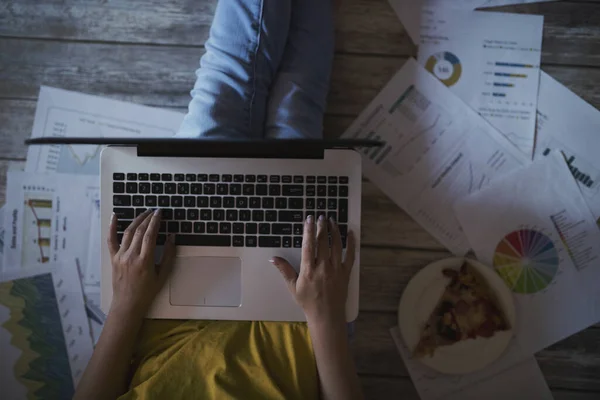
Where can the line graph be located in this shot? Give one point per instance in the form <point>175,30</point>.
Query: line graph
<point>37,223</point>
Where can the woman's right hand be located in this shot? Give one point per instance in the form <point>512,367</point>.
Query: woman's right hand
<point>321,288</point>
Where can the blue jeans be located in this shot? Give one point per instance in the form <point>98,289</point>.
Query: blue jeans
<point>266,71</point>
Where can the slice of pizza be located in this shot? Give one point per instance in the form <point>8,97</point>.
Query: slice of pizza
<point>467,309</point>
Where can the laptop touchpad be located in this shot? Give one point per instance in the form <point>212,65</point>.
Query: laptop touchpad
<point>206,281</point>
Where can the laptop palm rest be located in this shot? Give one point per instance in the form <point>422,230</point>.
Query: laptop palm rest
<point>206,281</point>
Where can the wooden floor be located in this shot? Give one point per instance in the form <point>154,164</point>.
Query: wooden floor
<point>146,51</point>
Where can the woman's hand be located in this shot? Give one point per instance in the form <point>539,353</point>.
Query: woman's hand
<point>136,278</point>
<point>321,288</point>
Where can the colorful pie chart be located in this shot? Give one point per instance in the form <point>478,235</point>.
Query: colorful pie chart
<point>445,66</point>
<point>526,260</point>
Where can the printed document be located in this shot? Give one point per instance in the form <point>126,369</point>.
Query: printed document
<point>437,150</point>
<point>44,333</point>
<point>491,61</point>
<point>62,113</point>
<point>514,375</point>
<point>570,125</point>
<point>535,229</point>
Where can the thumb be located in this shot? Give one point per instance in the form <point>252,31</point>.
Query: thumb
<point>168,259</point>
<point>289,273</point>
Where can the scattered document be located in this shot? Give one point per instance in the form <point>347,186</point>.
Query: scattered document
<point>436,150</point>
<point>409,11</point>
<point>514,375</point>
<point>570,125</point>
<point>535,229</point>
<point>62,113</point>
<point>43,216</point>
<point>491,61</point>
<point>44,334</point>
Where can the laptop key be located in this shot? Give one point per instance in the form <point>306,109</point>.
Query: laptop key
<point>196,188</point>
<point>166,177</point>
<point>205,215</point>
<point>164,201</point>
<point>209,188</point>
<point>132,187</point>
<point>343,210</point>
<point>321,204</point>
<point>155,177</point>
<point>298,179</point>
<point>311,190</point>
<point>298,229</point>
<point>274,190</point>
<point>121,200</point>
<point>139,211</point>
<point>213,178</point>
<point>222,189</point>
<point>199,227</point>
<point>122,225</point>
<point>311,179</point>
<point>226,178</point>
<point>238,241</point>
<point>215,202</point>
<point>269,241</point>
<point>202,177</point>
<point>274,179</point>
<point>238,228</point>
<point>118,187</point>
<point>332,191</point>
<point>192,214</point>
<point>231,215</point>
<point>291,216</point>
<point>138,201</point>
<point>248,190</point>
<point>254,202</point>
<point>250,241</point>
<point>287,241</point>
<point>170,188</point>
<point>190,177</point>
<point>271,216</point>
<point>296,203</point>
<point>331,204</point>
<point>186,227</point>
<point>202,201</point>
<point>261,178</point>
<point>180,214</point>
<point>321,190</point>
<point>157,188</point>
<point>258,215</point>
<point>203,240</point>
<point>118,176</point>
<point>343,191</point>
<point>163,227</point>
<point>177,201</point>
<point>151,201</point>
<point>297,242</point>
<point>281,229</point>
<point>212,227</point>
<point>179,177</point>
<point>293,190</point>
<point>250,178</point>
<point>332,215</point>
<point>264,229</point>
<point>173,227</point>
<point>310,204</point>
<point>281,203</point>
<point>321,179</point>
<point>167,214</point>
<point>225,227</point>
<point>268,202</point>
<point>228,202</point>
<point>219,215</point>
<point>343,180</point>
<point>245,215</point>
<point>286,179</point>
<point>332,179</point>
<point>124,213</point>
<point>241,202</point>
<point>238,178</point>
<point>262,190</point>
<point>183,188</point>
<point>251,228</point>
<point>235,189</point>
<point>132,176</point>
<point>143,177</point>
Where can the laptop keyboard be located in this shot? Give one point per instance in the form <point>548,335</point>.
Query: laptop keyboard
<point>231,210</point>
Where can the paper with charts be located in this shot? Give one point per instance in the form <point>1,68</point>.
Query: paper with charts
<point>491,61</point>
<point>535,229</point>
<point>436,150</point>
<point>513,373</point>
<point>568,124</point>
<point>44,335</point>
<point>46,218</point>
<point>62,113</point>
<point>409,11</point>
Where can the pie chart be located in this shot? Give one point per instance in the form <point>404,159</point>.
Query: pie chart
<point>445,66</point>
<point>527,260</point>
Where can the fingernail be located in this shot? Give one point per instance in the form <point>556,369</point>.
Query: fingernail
<point>309,219</point>
<point>332,220</point>
<point>272,261</point>
<point>112,217</point>
<point>321,217</point>
<point>157,212</point>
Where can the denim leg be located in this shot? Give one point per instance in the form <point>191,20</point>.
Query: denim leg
<point>299,93</point>
<point>247,41</point>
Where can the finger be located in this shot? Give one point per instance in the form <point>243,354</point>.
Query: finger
<point>308,241</point>
<point>113,241</point>
<point>168,260</point>
<point>322,239</point>
<point>136,243</point>
<point>336,244</point>
<point>130,231</point>
<point>149,240</point>
<point>350,251</point>
<point>288,272</point>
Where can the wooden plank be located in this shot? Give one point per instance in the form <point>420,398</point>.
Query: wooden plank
<point>573,363</point>
<point>163,76</point>
<point>571,34</point>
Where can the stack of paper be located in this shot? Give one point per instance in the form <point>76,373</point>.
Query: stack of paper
<point>51,218</point>
<point>459,133</point>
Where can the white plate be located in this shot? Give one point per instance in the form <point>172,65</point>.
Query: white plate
<point>420,298</point>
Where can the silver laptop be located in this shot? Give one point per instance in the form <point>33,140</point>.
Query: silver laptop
<point>233,205</point>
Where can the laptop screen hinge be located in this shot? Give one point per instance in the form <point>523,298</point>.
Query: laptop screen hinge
<point>245,149</point>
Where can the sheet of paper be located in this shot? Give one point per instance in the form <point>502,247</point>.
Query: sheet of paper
<point>436,150</point>
<point>44,334</point>
<point>43,216</point>
<point>535,229</point>
<point>568,124</point>
<point>12,166</point>
<point>491,61</point>
<point>62,113</point>
<point>409,11</point>
<point>514,375</point>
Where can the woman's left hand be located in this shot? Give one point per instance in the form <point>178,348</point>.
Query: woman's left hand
<point>136,279</point>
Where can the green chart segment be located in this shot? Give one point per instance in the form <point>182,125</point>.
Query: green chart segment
<point>445,66</point>
<point>527,260</point>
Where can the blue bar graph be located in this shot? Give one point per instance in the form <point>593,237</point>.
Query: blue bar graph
<point>500,84</point>
<point>499,94</point>
<point>516,65</point>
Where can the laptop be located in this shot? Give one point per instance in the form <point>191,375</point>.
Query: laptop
<point>233,205</point>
